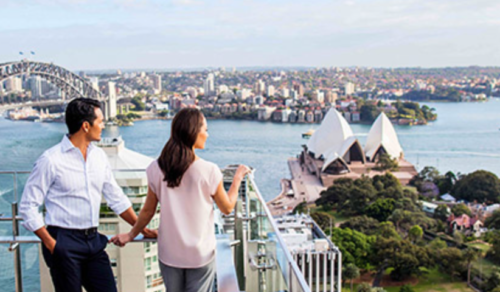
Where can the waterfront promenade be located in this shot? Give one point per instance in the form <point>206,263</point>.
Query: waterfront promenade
<point>303,186</point>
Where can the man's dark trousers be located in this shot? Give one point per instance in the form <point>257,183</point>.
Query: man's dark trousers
<point>79,260</point>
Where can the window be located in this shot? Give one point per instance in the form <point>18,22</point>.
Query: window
<point>147,264</point>
<point>147,247</point>
<point>107,227</point>
<point>113,263</point>
<point>154,223</point>
<point>155,259</point>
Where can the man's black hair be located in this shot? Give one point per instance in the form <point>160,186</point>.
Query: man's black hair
<point>80,110</point>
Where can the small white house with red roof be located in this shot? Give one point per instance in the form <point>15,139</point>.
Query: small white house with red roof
<point>465,224</point>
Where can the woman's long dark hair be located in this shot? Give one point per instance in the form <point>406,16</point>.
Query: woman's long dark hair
<point>178,154</point>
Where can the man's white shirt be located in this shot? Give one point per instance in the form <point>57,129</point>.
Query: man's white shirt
<point>71,188</point>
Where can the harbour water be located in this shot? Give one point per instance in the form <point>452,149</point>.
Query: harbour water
<point>466,137</point>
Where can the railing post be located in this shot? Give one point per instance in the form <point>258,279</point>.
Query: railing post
<point>16,248</point>
<point>339,271</point>
<point>239,249</point>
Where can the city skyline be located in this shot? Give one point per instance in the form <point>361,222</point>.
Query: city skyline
<point>184,34</point>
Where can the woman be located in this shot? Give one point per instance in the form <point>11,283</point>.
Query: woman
<point>186,187</point>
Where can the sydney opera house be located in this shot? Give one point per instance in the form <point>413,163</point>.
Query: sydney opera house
<point>334,152</point>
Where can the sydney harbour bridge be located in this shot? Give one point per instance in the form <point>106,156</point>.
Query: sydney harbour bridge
<point>71,85</point>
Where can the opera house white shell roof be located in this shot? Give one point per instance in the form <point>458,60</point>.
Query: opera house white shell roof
<point>382,135</point>
<point>335,141</point>
<point>331,135</point>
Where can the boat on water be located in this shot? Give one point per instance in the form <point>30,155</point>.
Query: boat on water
<point>308,134</point>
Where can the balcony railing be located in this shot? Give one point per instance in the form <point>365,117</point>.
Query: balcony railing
<point>261,260</point>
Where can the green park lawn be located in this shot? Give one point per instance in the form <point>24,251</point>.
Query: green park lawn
<point>481,246</point>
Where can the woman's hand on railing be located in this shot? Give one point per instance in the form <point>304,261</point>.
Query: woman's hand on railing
<point>122,239</point>
<point>242,171</point>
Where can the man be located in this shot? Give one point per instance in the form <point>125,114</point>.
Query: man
<point>70,177</point>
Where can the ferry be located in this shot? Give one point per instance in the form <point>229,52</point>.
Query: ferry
<point>308,134</point>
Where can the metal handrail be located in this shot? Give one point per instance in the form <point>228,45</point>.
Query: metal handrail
<point>294,267</point>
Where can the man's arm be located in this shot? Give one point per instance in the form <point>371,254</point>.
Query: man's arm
<point>119,202</point>
<point>131,218</point>
<point>145,216</point>
<point>35,190</point>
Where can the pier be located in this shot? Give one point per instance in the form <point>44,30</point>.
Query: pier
<point>302,187</point>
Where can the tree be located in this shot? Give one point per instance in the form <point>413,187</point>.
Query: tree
<point>349,196</point>
<point>405,258</point>
<point>355,246</point>
<point>363,224</point>
<point>350,272</point>
<point>337,193</point>
<point>481,186</point>
<point>458,237</point>
<point>386,162</point>
<point>437,244</point>
<point>323,219</point>
<point>388,186</point>
<point>404,219</point>
<point>397,217</point>
<point>470,255</point>
<point>381,209</point>
<point>428,173</point>
<point>386,230</point>
<point>451,261</point>
<point>300,208</point>
<point>364,287</point>
<point>460,209</point>
<point>493,281</point>
<point>137,102</point>
<point>493,222</point>
<point>368,112</point>
<point>446,182</point>
<point>441,212</point>
<point>415,233</point>
<point>494,251</point>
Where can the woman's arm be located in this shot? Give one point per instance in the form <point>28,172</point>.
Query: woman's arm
<point>145,216</point>
<point>227,201</point>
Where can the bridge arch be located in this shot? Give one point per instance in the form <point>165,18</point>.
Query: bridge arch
<point>71,85</point>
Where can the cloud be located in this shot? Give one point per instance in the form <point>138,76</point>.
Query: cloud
<point>279,32</point>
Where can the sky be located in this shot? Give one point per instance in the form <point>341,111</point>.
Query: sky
<point>162,34</point>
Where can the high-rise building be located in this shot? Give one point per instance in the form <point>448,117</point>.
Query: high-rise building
<point>95,82</point>
<point>270,91</point>
<point>156,82</point>
<point>243,94</point>
<point>299,88</point>
<point>318,96</point>
<point>285,92</point>
<point>209,85</point>
<point>110,92</point>
<point>349,88</point>
<point>259,87</point>
<point>35,83</point>
<point>330,96</point>
<point>10,84</point>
